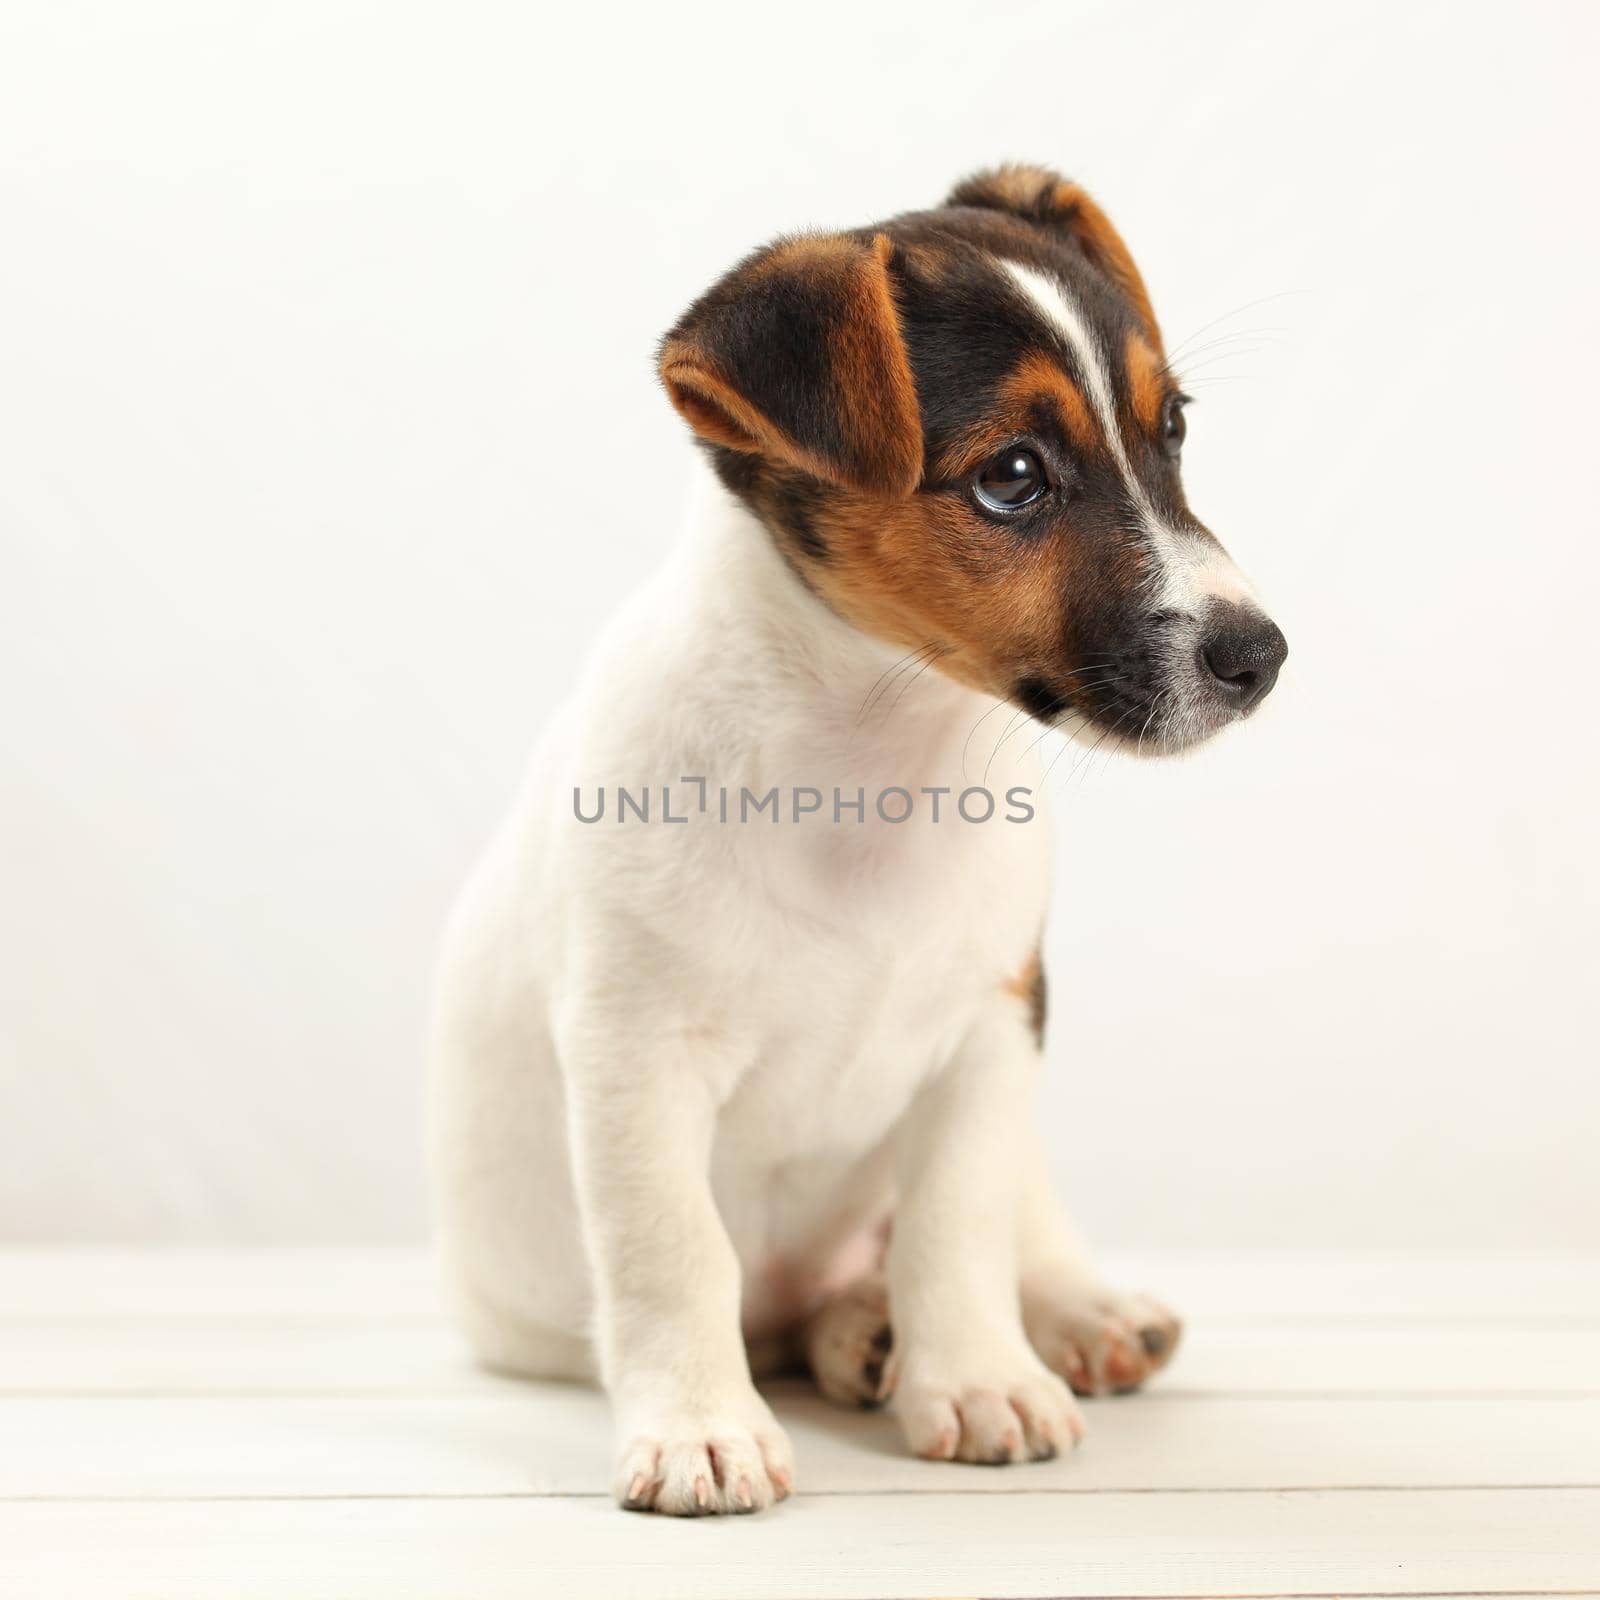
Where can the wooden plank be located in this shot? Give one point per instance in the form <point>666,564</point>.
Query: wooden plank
<point>556,1440</point>
<point>1272,1287</point>
<point>250,1356</point>
<point>298,1284</point>
<point>1339,1359</point>
<point>371,1284</point>
<point>1362,1543</point>
<point>209,1355</point>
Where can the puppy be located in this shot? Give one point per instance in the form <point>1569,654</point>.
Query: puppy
<point>738,1022</point>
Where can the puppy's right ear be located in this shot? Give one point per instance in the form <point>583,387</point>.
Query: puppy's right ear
<point>797,355</point>
<point>1043,197</point>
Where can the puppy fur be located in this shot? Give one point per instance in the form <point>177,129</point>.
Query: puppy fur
<point>715,1097</point>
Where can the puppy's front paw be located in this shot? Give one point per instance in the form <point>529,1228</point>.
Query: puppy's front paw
<point>992,1411</point>
<point>1100,1342</point>
<point>697,1463</point>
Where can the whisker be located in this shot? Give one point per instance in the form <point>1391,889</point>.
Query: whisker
<point>881,686</point>
<point>973,729</point>
<point>1275,336</point>
<point>1065,745</point>
<point>1249,305</point>
<point>1096,661</point>
<point>874,689</point>
<point>1095,747</point>
<point>1098,684</point>
<point>1085,760</point>
<point>1051,727</point>
<point>1086,720</point>
<point>1021,716</point>
<point>1155,705</point>
<point>1238,352</point>
<point>941,650</point>
<point>1116,729</point>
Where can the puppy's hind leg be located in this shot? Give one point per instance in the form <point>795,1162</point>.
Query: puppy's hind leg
<point>1101,1340</point>
<point>847,1343</point>
<point>506,1343</point>
<point>507,1225</point>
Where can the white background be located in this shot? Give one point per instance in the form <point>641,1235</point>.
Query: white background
<point>329,435</point>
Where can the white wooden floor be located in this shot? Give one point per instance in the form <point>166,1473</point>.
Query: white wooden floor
<point>304,1424</point>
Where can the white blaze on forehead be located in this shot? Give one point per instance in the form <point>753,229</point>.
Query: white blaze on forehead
<point>1193,570</point>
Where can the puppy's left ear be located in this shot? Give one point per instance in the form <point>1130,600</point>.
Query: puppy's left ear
<point>797,355</point>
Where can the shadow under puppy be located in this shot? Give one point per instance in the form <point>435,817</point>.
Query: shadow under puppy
<point>714,1090</point>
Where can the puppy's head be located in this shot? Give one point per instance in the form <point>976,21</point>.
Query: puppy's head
<point>961,430</point>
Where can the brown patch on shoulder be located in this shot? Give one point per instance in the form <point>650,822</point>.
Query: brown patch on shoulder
<point>1029,985</point>
<point>1147,381</point>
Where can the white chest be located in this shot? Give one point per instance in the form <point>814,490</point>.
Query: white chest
<point>877,952</point>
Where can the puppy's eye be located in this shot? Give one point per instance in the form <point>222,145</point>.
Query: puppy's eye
<point>1173,427</point>
<point>1015,478</point>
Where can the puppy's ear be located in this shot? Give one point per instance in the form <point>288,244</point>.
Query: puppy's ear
<point>1038,195</point>
<point>797,354</point>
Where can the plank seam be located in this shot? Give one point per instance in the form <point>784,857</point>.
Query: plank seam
<point>515,1388</point>
<point>334,1496</point>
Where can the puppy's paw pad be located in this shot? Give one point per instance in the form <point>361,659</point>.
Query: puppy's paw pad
<point>1103,1343</point>
<point>704,1467</point>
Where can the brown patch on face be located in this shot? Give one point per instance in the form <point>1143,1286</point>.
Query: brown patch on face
<point>797,355</point>
<point>1029,985</point>
<point>1037,381</point>
<point>933,570</point>
<point>1147,381</point>
<point>1009,610</point>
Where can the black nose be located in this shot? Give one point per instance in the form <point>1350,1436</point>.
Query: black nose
<point>1242,651</point>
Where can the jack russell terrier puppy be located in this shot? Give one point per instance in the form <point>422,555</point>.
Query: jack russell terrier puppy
<point>739,1020</point>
